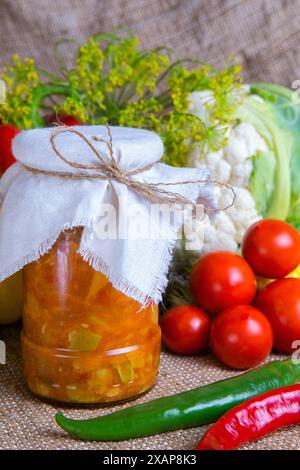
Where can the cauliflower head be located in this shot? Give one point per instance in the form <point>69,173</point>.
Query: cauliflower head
<point>232,166</point>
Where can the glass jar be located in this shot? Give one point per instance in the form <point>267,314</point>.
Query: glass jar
<point>84,341</point>
<point>11,299</point>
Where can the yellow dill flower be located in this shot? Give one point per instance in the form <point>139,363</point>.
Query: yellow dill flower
<point>21,79</point>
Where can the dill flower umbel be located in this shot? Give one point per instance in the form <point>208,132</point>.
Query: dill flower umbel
<point>114,80</point>
<point>20,78</point>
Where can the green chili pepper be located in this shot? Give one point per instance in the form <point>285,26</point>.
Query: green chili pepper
<point>192,408</point>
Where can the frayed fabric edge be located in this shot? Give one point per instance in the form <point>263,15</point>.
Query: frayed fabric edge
<point>27,259</point>
<point>41,250</point>
<point>119,282</point>
<point>160,279</point>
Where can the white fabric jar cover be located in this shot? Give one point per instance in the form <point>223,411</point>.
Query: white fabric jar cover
<point>36,208</point>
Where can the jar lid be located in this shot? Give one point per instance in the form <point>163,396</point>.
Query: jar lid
<point>132,148</point>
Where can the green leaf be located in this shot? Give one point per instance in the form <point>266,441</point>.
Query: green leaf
<point>262,115</point>
<point>287,116</point>
<point>262,180</point>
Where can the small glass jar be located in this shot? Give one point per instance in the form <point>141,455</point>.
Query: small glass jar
<point>83,341</point>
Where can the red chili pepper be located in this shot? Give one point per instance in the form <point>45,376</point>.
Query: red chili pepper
<point>254,418</point>
<point>7,133</point>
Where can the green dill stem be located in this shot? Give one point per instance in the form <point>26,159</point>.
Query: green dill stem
<point>128,94</point>
<point>126,90</point>
<point>166,94</point>
<point>43,91</point>
<point>169,69</point>
<point>49,75</point>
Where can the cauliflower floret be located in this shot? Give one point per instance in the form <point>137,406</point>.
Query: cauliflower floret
<point>240,173</point>
<point>236,150</point>
<point>252,138</point>
<point>215,161</point>
<point>243,142</point>
<point>211,159</point>
<point>223,223</point>
<point>224,230</point>
<point>243,213</point>
<point>219,234</point>
<point>244,200</point>
<point>223,172</point>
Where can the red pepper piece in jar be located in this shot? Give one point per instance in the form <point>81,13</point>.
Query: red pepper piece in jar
<point>253,419</point>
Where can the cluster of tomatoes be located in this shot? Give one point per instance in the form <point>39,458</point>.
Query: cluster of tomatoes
<point>240,323</point>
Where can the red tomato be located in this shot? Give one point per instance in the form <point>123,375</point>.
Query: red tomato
<point>66,120</point>
<point>221,279</point>
<point>280,302</point>
<point>272,248</point>
<point>241,337</point>
<point>7,133</point>
<point>185,329</point>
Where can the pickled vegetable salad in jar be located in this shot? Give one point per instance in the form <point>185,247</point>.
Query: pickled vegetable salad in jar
<point>84,341</point>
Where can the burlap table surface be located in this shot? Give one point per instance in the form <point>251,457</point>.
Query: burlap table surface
<point>28,422</point>
<point>263,35</point>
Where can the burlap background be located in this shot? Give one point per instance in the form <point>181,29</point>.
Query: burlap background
<point>28,423</point>
<point>264,35</point>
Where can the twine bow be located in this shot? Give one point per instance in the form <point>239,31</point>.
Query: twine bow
<point>109,170</point>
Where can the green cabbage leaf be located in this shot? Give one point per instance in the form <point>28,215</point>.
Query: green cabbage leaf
<point>275,180</point>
